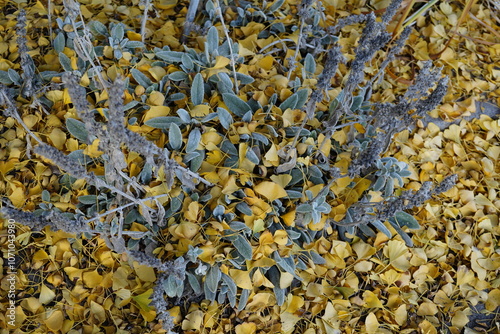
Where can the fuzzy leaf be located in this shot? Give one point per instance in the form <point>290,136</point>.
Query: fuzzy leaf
<point>197,90</point>
<point>141,78</point>
<point>175,137</point>
<point>77,129</point>
<point>405,219</point>
<point>236,105</point>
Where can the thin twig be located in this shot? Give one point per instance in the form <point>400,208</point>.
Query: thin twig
<point>124,206</point>
<point>229,43</point>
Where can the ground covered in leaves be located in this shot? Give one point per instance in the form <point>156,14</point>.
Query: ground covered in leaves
<point>448,282</point>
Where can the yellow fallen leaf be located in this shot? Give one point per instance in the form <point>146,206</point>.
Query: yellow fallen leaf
<point>371,300</point>
<point>193,321</point>
<point>241,278</point>
<point>371,323</point>
<point>493,300</point>
<point>54,321</point>
<point>145,273</point>
<point>92,278</point>
<point>427,308</point>
<point>246,328</point>
<point>270,190</point>
<point>97,311</point>
<point>46,295</point>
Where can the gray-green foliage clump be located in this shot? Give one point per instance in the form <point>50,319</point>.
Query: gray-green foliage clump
<point>119,199</point>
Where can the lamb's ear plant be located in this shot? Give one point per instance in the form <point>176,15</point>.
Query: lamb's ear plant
<point>116,199</point>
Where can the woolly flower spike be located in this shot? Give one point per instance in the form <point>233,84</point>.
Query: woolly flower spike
<point>78,96</point>
<point>447,183</point>
<point>62,161</point>
<point>159,303</point>
<point>31,82</point>
<point>55,220</point>
<point>36,223</point>
<point>391,10</point>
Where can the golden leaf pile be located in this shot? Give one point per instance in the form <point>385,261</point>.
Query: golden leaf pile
<point>68,285</point>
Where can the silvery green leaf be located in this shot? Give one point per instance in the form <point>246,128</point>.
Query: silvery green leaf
<point>193,140</point>
<point>141,78</point>
<point>163,122</point>
<point>190,156</point>
<point>88,199</point>
<point>184,115</point>
<point>309,65</point>
<point>225,118</point>
<point>134,45</point>
<point>236,105</point>
<point>301,97</point>
<point>247,117</point>
<point>5,79</point>
<point>280,295</point>
<point>275,6</point>
<point>219,211</point>
<point>399,178</point>
<point>252,156</point>
<point>117,53</point>
<point>405,173</point>
<point>293,194</point>
<point>176,97</point>
<point>170,286</point>
<point>405,219</point>
<point>118,32</point>
<point>381,227</point>
<point>14,76</point>
<point>193,281</point>
<point>97,28</point>
<point>195,163</point>
<point>402,233</point>
<point>212,278</point>
<point>129,106</point>
<point>356,103</point>
<point>225,82</point>
<point>291,131</point>
<point>221,297</point>
<point>45,195</point>
<point>238,226</point>
<point>232,298</point>
<point>244,79</point>
<point>77,129</point>
<point>209,294</point>
<point>230,283</point>
<point>123,43</point>
<point>170,56</point>
<point>304,208</point>
<point>260,137</point>
<point>389,187</point>
<point>367,230</point>
<point>243,299</point>
<point>244,208</point>
<point>59,42</point>
<point>243,247</point>
<point>80,157</point>
<point>212,39</point>
<point>145,174</point>
<point>187,62</point>
<point>379,184</point>
<point>285,263</point>
<point>177,76</point>
<point>197,90</point>
<point>175,137</point>
<point>317,259</point>
<point>209,117</point>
